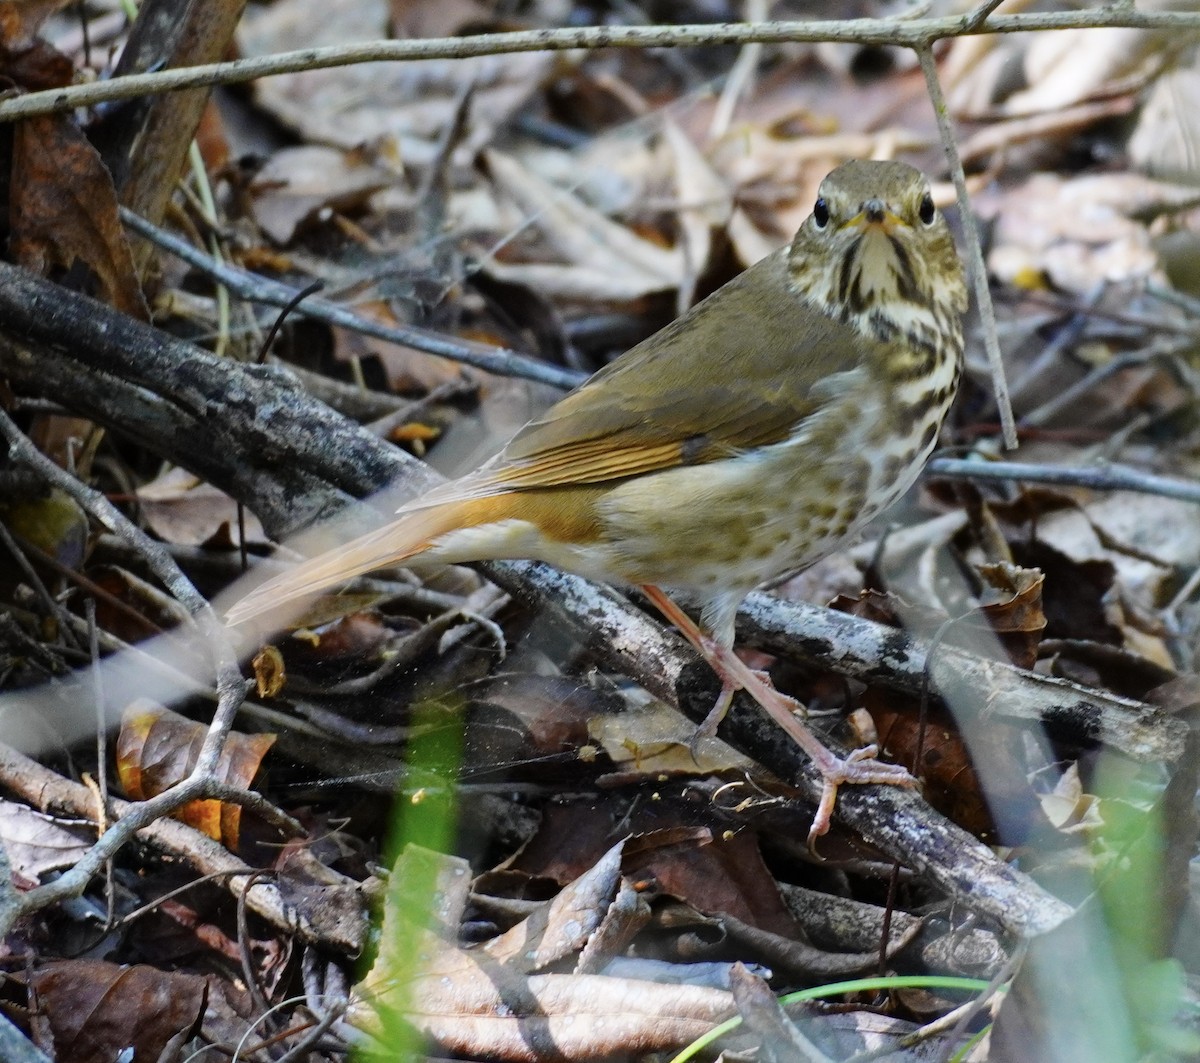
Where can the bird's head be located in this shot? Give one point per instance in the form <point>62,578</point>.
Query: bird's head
<point>876,249</point>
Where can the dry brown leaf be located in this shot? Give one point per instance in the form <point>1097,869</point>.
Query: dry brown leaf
<point>942,761</point>
<point>158,748</point>
<point>270,674</point>
<point>705,201</point>
<point>181,508</point>
<point>603,259</point>
<point>36,843</point>
<point>564,925</point>
<point>1014,609</point>
<point>97,1010</point>
<point>1075,594</point>
<point>296,184</point>
<point>1077,232</point>
<point>1038,73</point>
<point>1147,539</point>
<point>64,209</point>
<point>25,58</point>
<point>403,108</point>
<point>470,1002</point>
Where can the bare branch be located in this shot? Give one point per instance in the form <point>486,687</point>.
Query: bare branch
<point>983,295</point>
<point>907,33</point>
<point>1099,477</point>
<point>256,289</point>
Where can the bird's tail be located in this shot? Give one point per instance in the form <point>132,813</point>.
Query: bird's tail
<point>404,538</point>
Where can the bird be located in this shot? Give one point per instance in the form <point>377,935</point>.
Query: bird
<point>754,435</point>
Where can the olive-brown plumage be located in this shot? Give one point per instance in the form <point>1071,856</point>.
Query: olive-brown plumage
<point>753,435</point>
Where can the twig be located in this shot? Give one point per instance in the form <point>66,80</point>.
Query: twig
<point>975,19</point>
<point>1101,477</point>
<point>231,688</point>
<point>908,33</point>
<point>326,925</point>
<point>253,288</point>
<point>983,294</point>
<point>162,564</point>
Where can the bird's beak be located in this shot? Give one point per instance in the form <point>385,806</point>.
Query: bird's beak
<point>876,216</point>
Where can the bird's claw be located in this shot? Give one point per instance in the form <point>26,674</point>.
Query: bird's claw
<point>857,767</point>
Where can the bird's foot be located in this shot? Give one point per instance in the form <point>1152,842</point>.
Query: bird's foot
<point>856,768</point>
<point>859,767</point>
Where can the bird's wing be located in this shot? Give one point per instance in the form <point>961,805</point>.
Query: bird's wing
<point>735,372</point>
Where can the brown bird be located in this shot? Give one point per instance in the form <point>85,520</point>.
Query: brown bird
<point>752,436</point>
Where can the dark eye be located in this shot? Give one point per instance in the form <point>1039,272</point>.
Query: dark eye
<point>820,213</point>
<point>927,211</point>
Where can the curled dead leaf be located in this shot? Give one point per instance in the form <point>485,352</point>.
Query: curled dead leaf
<point>270,673</point>
<point>1012,605</point>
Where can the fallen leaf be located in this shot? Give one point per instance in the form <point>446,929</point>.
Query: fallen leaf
<point>181,508</point>
<point>296,184</point>
<point>470,1002</point>
<point>64,209</point>
<point>37,843</point>
<point>157,748</point>
<point>98,1011</point>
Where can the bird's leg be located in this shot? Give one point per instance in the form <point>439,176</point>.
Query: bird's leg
<point>860,766</point>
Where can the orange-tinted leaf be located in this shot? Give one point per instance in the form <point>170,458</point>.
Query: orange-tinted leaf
<point>211,139</point>
<point>64,209</point>
<point>158,748</point>
<point>415,435</point>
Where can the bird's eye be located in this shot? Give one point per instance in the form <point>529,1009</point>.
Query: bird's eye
<point>820,213</point>
<point>927,211</point>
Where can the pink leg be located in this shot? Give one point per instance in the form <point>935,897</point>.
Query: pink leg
<point>860,766</point>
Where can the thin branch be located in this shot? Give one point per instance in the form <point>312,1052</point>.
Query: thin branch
<point>256,289</point>
<point>983,295</point>
<point>230,685</point>
<point>908,33</point>
<point>1100,477</point>
<point>334,925</point>
<point>975,19</point>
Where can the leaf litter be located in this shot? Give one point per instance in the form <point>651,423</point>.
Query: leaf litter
<point>604,886</point>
